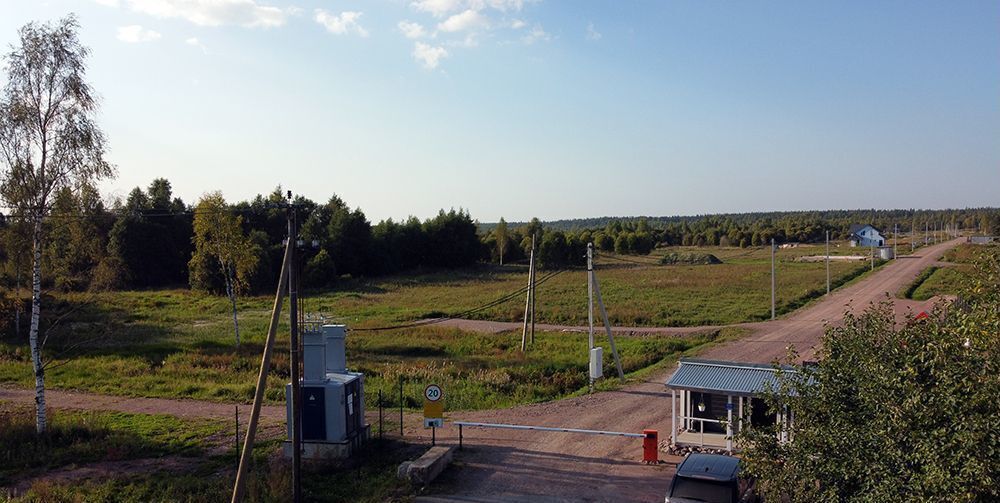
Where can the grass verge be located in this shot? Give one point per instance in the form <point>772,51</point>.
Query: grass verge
<point>76,437</point>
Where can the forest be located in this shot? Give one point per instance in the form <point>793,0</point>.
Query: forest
<point>152,239</point>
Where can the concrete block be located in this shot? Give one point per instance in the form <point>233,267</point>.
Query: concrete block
<point>426,468</point>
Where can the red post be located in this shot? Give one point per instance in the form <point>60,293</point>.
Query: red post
<point>650,447</point>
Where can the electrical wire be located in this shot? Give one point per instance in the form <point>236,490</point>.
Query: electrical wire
<point>631,261</point>
<point>494,303</point>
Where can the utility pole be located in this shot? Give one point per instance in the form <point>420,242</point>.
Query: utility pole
<point>590,296</point>
<point>895,230</point>
<point>534,278</point>
<point>293,299</point>
<point>925,233</point>
<point>873,255</point>
<point>827,262</point>
<point>772,279</point>
<point>590,306</point>
<point>528,300</point>
<point>265,366</point>
<point>607,325</point>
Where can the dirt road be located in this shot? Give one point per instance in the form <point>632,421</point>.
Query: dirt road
<point>186,409</point>
<point>505,465</point>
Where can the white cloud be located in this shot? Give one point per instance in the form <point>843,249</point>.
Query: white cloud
<point>506,5</point>
<point>344,23</point>
<point>536,34</point>
<point>214,12</point>
<point>517,24</point>
<point>437,8</point>
<point>464,21</point>
<point>470,40</point>
<point>593,34</point>
<point>107,3</point>
<point>411,29</point>
<point>134,34</point>
<point>193,41</point>
<point>428,55</point>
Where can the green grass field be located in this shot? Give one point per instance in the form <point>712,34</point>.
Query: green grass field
<point>200,471</point>
<point>176,343</point>
<point>948,280</point>
<point>76,437</point>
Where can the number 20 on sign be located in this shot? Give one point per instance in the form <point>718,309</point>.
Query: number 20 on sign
<point>433,406</point>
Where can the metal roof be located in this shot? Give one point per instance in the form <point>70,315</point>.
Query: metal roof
<point>732,378</point>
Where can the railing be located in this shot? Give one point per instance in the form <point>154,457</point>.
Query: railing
<point>701,424</point>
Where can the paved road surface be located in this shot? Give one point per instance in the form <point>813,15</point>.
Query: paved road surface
<point>505,465</point>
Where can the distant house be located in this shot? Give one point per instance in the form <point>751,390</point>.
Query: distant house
<point>865,235</point>
<point>982,240</point>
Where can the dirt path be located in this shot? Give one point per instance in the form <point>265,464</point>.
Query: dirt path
<point>185,409</point>
<point>506,465</point>
<point>495,327</point>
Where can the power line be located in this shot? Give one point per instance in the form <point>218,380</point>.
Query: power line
<point>621,259</point>
<point>494,303</point>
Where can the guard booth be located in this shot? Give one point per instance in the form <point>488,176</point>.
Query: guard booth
<point>333,404</point>
<point>709,398</point>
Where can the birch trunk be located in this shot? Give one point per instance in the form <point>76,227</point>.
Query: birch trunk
<point>36,308</point>
<point>231,292</point>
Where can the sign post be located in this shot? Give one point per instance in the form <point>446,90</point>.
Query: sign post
<point>433,409</point>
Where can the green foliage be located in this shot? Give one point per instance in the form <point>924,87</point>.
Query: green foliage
<point>150,243</point>
<point>689,258</point>
<point>320,270</point>
<point>219,239</point>
<point>893,412</point>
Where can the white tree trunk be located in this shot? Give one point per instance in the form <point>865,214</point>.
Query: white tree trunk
<point>231,292</point>
<point>36,308</point>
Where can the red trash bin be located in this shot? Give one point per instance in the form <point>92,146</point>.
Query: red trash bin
<point>650,447</point>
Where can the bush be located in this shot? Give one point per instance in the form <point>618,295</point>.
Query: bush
<point>692,258</point>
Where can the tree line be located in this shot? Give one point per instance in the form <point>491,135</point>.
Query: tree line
<point>640,235</point>
<point>152,239</point>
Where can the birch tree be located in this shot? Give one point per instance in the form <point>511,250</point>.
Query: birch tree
<point>501,233</point>
<point>49,140</point>
<point>219,238</point>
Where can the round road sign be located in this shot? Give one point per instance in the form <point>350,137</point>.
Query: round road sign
<point>433,392</point>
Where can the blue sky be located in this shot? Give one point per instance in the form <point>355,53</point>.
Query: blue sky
<point>555,109</point>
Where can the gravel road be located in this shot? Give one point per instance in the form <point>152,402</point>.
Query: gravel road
<point>506,465</point>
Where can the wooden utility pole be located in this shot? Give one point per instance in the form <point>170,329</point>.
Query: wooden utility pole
<point>265,365</point>
<point>828,262</point>
<point>895,230</point>
<point>529,311</point>
<point>607,325</point>
<point>772,279</point>
<point>293,311</point>
<point>534,278</point>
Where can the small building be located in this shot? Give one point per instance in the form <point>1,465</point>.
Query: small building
<point>865,235</point>
<point>709,399</point>
<point>982,240</point>
<point>886,253</point>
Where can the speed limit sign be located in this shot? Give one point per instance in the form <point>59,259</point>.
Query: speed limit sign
<point>433,393</point>
<point>433,406</point>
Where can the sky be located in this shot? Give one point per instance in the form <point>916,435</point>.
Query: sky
<point>549,109</point>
